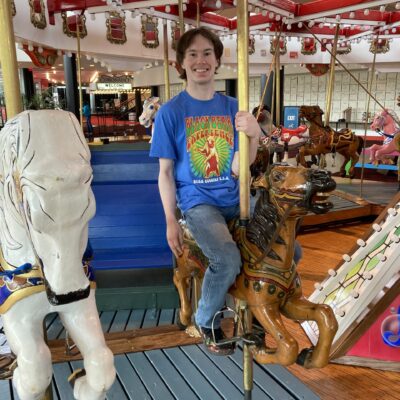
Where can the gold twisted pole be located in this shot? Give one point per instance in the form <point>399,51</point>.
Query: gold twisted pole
<point>8,60</point>
<point>331,82</point>
<point>166,63</point>
<point>78,59</point>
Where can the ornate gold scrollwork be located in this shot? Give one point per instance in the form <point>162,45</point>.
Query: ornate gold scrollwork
<point>38,13</point>
<point>344,48</point>
<point>379,46</point>
<point>116,28</point>
<point>149,32</point>
<point>70,25</point>
<point>282,45</point>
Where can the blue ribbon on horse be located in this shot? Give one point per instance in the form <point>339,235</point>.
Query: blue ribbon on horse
<point>385,134</point>
<point>23,269</point>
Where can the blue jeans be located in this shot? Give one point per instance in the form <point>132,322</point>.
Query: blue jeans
<point>208,225</point>
<point>89,125</point>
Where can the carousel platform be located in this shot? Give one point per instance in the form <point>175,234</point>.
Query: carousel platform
<point>185,372</point>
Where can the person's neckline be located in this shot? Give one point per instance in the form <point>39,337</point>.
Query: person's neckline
<point>199,99</point>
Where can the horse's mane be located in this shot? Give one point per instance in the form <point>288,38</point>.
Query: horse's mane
<point>394,117</point>
<point>263,225</point>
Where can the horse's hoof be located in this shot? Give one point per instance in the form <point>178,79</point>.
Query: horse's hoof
<point>78,373</point>
<point>343,174</point>
<point>304,355</point>
<point>181,326</point>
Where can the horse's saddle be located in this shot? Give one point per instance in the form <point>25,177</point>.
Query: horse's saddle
<point>286,133</point>
<point>344,135</point>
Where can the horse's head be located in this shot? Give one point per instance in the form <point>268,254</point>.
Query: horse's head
<point>46,199</point>
<point>385,121</point>
<point>297,188</point>
<point>150,107</point>
<point>311,113</point>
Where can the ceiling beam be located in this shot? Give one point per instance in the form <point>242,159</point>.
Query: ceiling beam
<point>325,8</point>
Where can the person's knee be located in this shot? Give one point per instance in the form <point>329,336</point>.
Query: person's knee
<point>233,262</point>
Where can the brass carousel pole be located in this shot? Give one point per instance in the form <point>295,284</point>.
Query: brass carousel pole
<point>331,81</point>
<point>371,80</point>
<point>78,40</point>
<point>277,86</point>
<point>181,19</point>
<point>8,60</point>
<point>198,14</point>
<point>244,170</point>
<point>166,62</point>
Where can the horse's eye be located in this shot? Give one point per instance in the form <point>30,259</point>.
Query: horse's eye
<point>278,177</point>
<point>151,107</point>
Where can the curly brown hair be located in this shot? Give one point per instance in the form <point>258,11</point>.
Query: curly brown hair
<point>186,40</point>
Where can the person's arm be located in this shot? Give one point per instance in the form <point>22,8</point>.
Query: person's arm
<point>167,187</point>
<point>247,123</point>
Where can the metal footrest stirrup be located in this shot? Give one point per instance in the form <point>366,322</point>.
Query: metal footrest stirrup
<point>249,338</point>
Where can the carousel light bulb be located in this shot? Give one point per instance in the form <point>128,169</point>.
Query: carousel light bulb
<point>318,286</point>
<point>168,9</point>
<point>332,272</point>
<point>264,13</point>
<point>69,54</point>
<point>30,47</point>
<point>184,7</point>
<point>346,257</point>
<point>367,275</point>
<point>397,6</point>
<point>289,27</point>
<point>321,25</point>
<point>300,24</point>
<point>386,32</point>
<point>311,24</point>
<point>156,63</point>
<point>235,2</point>
<point>218,4</point>
<point>109,69</point>
<point>257,10</point>
<point>381,257</point>
<point>271,14</point>
<point>337,17</point>
<point>354,294</point>
<point>394,238</point>
<point>361,242</point>
<point>278,18</point>
<point>352,14</point>
<point>93,17</point>
<point>394,30</point>
<point>340,313</point>
<point>88,57</point>
<point>392,212</point>
<point>95,60</point>
<point>109,2</point>
<point>103,64</point>
<point>382,8</point>
<point>20,46</point>
<point>366,11</point>
<point>59,52</point>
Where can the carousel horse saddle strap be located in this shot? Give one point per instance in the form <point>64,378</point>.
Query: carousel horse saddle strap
<point>23,269</point>
<point>342,135</point>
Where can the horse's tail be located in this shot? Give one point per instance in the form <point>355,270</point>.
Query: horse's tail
<point>360,144</point>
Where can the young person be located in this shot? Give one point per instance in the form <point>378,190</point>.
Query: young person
<point>87,113</point>
<point>196,140</point>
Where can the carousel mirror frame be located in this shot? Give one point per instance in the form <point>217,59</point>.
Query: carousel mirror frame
<point>147,21</point>
<point>71,33</point>
<point>13,8</point>
<point>38,19</point>
<point>275,42</point>
<point>114,16</point>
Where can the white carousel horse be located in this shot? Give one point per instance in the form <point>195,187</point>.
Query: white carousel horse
<point>150,108</point>
<point>387,123</point>
<point>46,203</point>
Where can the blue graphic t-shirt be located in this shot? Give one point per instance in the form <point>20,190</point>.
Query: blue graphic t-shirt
<point>200,137</point>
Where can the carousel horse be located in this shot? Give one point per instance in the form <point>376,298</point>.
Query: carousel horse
<point>46,203</point>
<point>268,281</point>
<point>386,123</point>
<point>324,140</point>
<point>150,108</point>
<point>277,142</point>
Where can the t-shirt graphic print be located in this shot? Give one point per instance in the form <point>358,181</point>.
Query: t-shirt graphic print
<point>209,143</point>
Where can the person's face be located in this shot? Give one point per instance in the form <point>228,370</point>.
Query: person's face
<point>199,61</point>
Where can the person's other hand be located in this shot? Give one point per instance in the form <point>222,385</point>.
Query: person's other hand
<point>175,238</point>
<point>247,123</point>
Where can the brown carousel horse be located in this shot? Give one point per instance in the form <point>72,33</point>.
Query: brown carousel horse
<point>268,282</point>
<point>325,140</point>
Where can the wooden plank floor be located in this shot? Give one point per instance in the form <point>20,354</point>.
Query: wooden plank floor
<point>179,373</point>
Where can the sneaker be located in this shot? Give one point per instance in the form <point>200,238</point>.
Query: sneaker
<point>216,347</point>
